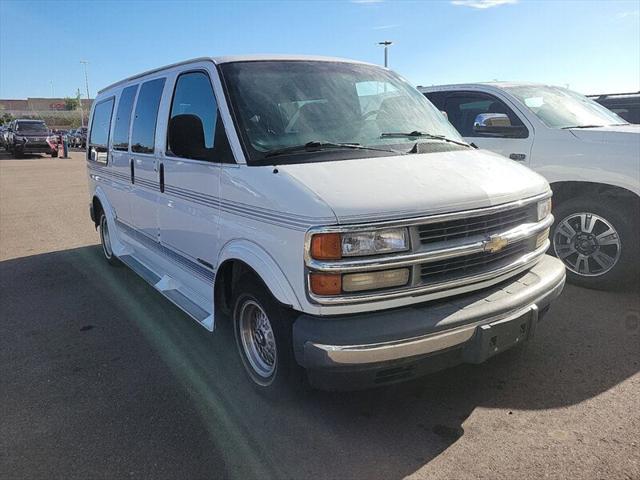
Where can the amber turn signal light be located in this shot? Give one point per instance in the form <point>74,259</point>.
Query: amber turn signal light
<point>326,246</point>
<point>325,283</point>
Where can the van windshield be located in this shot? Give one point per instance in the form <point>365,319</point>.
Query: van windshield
<point>281,104</point>
<point>561,108</point>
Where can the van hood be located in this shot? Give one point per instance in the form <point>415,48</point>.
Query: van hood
<point>608,134</point>
<point>386,188</point>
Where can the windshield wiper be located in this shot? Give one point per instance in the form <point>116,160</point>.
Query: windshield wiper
<point>582,126</point>
<point>417,133</point>
<point>317,146</point>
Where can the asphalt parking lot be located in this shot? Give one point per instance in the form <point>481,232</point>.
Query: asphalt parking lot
<point>100,377</point>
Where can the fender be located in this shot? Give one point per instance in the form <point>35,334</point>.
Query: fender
<point>117,246</point>
<point>264,265</point>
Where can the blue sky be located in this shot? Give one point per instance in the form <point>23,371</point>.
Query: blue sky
<point>593,46</point>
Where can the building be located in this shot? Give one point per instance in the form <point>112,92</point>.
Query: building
<point>54,111</point>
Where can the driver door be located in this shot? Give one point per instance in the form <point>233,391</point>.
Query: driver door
<point>464,109</point>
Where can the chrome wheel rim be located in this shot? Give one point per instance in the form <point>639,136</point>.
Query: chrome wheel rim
<point>257,339</point>
<point>106,239</point>
<point>587,243</point>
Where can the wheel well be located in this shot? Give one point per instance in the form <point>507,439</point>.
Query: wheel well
<point>563,191</point>
<point>226,280</point>
<point>97,210</point>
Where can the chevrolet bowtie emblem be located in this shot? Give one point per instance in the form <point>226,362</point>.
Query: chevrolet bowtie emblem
<point>495,243</point>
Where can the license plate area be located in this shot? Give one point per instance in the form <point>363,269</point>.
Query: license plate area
<point>493,338</point>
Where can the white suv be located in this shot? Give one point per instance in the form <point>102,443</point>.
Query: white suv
<point>589,155</point>
<point>329,208</point>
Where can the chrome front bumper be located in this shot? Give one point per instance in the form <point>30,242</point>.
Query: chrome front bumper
<point>375,339</point>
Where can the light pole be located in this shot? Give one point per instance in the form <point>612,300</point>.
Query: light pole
<point>51,82</point>
<point>86,77</point>
<point>386,45</point>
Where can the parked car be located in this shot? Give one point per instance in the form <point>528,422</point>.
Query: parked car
<point>78,138</point>
<point>3,129</point>
<point>589,155</point>
<point>625,105</point>
<point>299,195</point>
<point>30,136</point>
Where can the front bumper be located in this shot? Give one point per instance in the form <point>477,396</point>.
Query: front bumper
<point>33,148</point>
<point>385,341</point>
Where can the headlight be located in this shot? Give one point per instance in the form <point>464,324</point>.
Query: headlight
<point>357,282</point>
<point>371,243</point>
<point>335,283</point>
<point>542,237</point>
<point>544,208</point>
<point>334,246</point>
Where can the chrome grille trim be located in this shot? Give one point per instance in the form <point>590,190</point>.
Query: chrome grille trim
<point>392,261</point>
<point>480,225</point>
<point>522,263</point>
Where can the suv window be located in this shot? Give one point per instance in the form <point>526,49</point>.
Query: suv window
<point>31,127</point>
<point>123,118</point>
<point>144,124</point>
<point>100,127</point>
<point>463,108</point>
<point>195,128</point>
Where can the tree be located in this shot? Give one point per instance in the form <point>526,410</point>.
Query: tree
<point>5,118</point>
<point>71,103</point>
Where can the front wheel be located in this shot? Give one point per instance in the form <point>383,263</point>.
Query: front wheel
<point>105,240</point>
<point>596,242</point>
<point>263,334</point>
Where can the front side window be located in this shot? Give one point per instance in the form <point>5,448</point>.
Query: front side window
<point>561,108</point>
<point>100,127</point>
<point>463,110</point>
<point>143,134</point>
<point>283,104</point>
<point>123,118</point>
<point>195,129</point>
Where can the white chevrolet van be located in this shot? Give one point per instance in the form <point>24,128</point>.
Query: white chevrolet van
<point>327,206</point>
<point>589,155</point>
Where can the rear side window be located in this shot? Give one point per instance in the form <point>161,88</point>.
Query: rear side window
<point>144,124</point>
<point>100,127</point>
<point>195,128</point>
<point>123,118</point>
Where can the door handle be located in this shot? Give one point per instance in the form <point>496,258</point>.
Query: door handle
<point>162,178</point>
<point>518,157</point>
<point>133,173</point>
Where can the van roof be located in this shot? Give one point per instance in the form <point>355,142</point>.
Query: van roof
<point>235,58</point>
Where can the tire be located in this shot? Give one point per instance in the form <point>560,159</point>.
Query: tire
<point>54,154</point>
<point>105,240</point>
<point>597,242</point>
<point>265,349</point>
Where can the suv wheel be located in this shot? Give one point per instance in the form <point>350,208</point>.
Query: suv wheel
<point>263,334</point>
<point>597,244</point>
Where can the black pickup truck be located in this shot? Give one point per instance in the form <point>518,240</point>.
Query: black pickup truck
<point>30,136</point>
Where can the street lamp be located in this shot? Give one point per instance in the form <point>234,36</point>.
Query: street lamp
<point>86,77</point>
<point>386,45</point>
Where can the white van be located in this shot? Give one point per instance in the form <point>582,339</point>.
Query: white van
<point>589,155</point>
<point>329,208</point>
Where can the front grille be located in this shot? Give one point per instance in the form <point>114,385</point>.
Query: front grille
<point>481,225</point>
<point>468,265</point>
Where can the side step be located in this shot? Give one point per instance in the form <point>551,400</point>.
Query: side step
<point>168,288</point>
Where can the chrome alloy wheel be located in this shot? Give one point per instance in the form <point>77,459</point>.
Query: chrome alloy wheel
<point>104,236</point>
<point>587,244</point>
<point>257,339</point>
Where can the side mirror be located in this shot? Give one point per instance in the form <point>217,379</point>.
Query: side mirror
<point>186,137</point>
<point>497,125</point>
<point>444,114</point>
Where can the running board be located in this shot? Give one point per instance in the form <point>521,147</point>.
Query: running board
<point>169,289</point>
